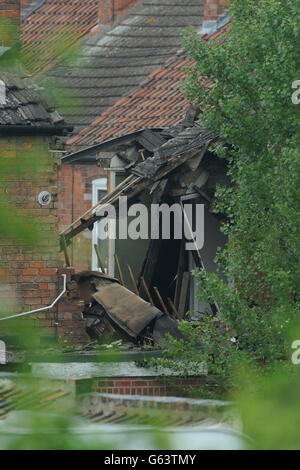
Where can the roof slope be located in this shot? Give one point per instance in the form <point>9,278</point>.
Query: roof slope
<point>115,62</point>
<point>158,102</point>
<point>52,25</point>
<point>23,105</point>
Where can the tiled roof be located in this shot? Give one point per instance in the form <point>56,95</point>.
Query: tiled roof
<point>16,397</point>
<point>114,62</point>
<point>54,24</point>
<point>158,102</point>
<point>23,105</point>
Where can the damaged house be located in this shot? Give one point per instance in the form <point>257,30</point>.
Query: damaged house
<point>150,160</point>
<point>118,44</point>
<point>134,140</point>
<point>167,166</point>
<point>151,147</point>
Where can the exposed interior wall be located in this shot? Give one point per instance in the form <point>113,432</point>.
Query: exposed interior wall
<point>131,252</point>
<point>213,239</point>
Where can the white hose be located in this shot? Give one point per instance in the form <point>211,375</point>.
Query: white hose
<point>43,308</point>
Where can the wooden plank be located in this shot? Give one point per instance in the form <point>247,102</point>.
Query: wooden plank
<point>133,280</point>
<point>174,310</point>
<point>119,269</point>
<point>147,290</point>
<point>99,257</point>
<point>184,294</point>
<point>161,301</point>
<point>180,271</point>
<point>65,250</point>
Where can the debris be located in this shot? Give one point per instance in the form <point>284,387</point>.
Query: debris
<point>164,169</point>
<point>112,311</point>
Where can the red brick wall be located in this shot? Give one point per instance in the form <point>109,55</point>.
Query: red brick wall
<point>29,275</point>
<point>28,272</point>
<point>75,197</point>
<point>70,324</point>
<point>214,8</point>
<point>9,22</point>
<point>150,386</point>
<point>110,10</point>
<point>27,5</point>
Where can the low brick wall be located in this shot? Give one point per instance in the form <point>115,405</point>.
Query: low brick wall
<point>150,386</point>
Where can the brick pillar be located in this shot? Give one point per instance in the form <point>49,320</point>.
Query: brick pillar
<point>9,22</point>
<point>71,325</point>
<point>111,10</point>
<point>214,8</point>
<point>215,14</point>
<point>28,5</point>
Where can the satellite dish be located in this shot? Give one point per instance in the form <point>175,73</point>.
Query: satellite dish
<point>44,198</point>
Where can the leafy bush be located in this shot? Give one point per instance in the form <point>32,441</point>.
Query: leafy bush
<point>248,104</point>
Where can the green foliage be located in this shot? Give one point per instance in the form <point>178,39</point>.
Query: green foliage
<point>243,83</point>
<point>269,407</point>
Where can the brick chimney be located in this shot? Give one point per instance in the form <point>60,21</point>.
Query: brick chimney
<point>9,23</point>
<point>111,10</point>
<point>215,14</point>
<point>28,6</point>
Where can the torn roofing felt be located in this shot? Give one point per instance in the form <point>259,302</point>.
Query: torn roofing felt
<point>179,144</point>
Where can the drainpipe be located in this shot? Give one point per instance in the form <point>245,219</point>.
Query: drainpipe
<point>35,130</point>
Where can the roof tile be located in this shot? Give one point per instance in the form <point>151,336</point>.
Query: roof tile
<point>52,21</point>
<point>158,102</point>
<point>125,55</point>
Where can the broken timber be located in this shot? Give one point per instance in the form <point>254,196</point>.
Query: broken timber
<point>130,187</point>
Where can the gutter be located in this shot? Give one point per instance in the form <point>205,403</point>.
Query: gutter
<point>34,130</point>
<point>90,153</point>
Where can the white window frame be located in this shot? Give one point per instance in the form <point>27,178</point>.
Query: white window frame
<point>99,184</point>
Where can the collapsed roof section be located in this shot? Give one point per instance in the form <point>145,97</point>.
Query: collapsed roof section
<point>171,165</point>
<point>157,154</point>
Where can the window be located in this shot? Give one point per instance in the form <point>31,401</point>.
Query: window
<point>99,190</point>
